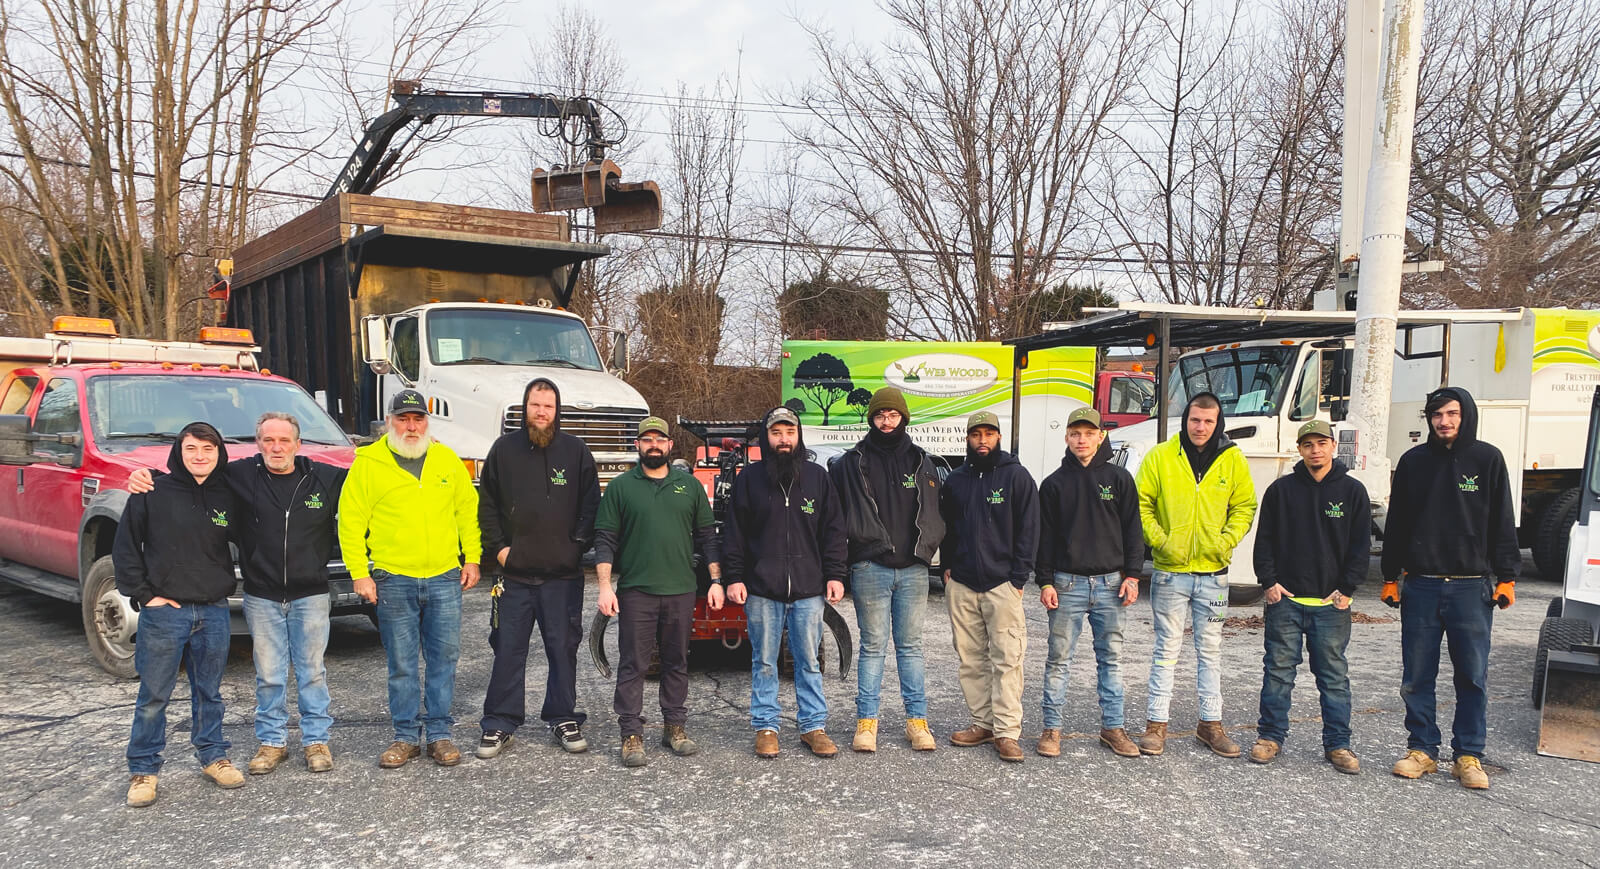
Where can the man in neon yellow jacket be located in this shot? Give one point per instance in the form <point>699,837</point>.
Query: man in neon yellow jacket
<point>408,530</point>
<point>1196,502</point>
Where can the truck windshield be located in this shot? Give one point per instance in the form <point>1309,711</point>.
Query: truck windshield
<point>465,336</point>
<point>128,412</point>
<point>1249,381</point>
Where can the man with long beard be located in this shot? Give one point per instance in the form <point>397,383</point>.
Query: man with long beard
<point>538,497</point>
<point>408,531</point>
<point>650,521</point>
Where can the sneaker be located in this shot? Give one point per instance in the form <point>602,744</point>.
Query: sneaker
<point>1049,742</point>
<point>1344,760</point>
<point>492,743</point>
<point>918,734</point>
<point>318,758</point>
<point>1265,751</point>
<point>267,759</point>
<point>569,737</point>
<point>1008,749</point>
<point>633,751</point>
<point>141,791</point>
<point>399,754</point>
<point>973,735</point>
<point>866,739</point>
<point>1415,764</point>
<point>766,743</point>
<point>673,737</point>
<point>1469,771</point>
<point>819,743</point>
<point>225,774</point>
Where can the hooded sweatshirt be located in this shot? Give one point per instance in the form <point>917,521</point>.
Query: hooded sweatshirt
<point>1314,538</point>
<point>287,541</point>
<point>539,501</point>
<point>991,508</point>
<point>1193,521</point>
<point>890,493</point>
<point>784,543</point>
<point>1089,520</point>
<point>172,541</point>
<point>1450,510</point>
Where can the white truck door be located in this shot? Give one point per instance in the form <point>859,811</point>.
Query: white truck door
<point>1504,424</point>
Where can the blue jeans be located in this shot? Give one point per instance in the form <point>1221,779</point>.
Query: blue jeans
<point>766,621</point>
<point>1324,632</point>
<point>195,637</point>
<point>1187,600</point>
<point>420,615</point>
<point>890,601</point>
<point>1095,597</point>
<point>293,633</point>
<point>1461,610</point>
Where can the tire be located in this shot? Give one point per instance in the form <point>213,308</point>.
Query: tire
<point>1554,610</point>
<point>606,649</point>
<point>1556,635</point>
<point>110,622</point>
<point>1555,529</point>
<point>372,616</point>
<point>1244,595</point>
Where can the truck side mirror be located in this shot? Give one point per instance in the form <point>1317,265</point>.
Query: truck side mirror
<point>1148,406</point>
<point>619,351</point>
<point>16,446</point>
<point>375,343</point>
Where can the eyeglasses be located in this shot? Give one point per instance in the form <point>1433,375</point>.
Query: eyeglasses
<point>653,440</point>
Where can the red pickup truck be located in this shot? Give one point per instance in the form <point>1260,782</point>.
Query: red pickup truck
<point>80,410</point>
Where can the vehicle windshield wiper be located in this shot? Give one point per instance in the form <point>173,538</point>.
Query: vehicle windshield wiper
<point>553,360</point>
<point>148,435</point>
<point>324,443</point>
<point>484,360</point>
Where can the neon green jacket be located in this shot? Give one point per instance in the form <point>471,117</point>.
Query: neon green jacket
<point>405,525</point>
<point>1193,527</point>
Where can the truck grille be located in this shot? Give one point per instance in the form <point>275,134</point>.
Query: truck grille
<point>605,429</point>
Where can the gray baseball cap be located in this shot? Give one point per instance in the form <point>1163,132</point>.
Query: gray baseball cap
<point>1314,428</point>
<point>781,414</point>
<point>983,417</point>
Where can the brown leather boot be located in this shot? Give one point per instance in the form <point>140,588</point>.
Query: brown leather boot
<point>1264,751</point>
<point>819,743</point>
<point>1049,743</point>
<point>973,735</point>
<point>444,752</point>
<point>267,759</point>
<point>1211,735</point>
<point>1154,740</point>
<point>1116,739</point>
<point>766,743</point>
<point>1008,749</point>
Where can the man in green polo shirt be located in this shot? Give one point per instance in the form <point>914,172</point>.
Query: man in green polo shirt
<point>651,519</point>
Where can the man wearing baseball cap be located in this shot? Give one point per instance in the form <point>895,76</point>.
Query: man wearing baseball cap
<point>652,519</point>
<point>1313,547</point>
<point>991,511</point>
<point>408,531</point>
<point>1091,552</point>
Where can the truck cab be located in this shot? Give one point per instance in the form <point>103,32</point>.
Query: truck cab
<point>81,410</point>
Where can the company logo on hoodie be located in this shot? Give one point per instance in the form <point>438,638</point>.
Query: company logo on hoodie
<point>219,518</point>
<point>1105,494</point>
<point>314,502</point>
<point>809,506</point>
<point>1468,484</point>
<point>558,477</point>
<point>1334,510</point>
<point>679,489</point>
<point>910,482</point>
<point>998,496</point>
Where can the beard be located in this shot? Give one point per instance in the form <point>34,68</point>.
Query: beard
<point>981,462</point>
<point>653,460</point>
<point>785,466</point>
<point>541,437</point>
<point>408,446</point>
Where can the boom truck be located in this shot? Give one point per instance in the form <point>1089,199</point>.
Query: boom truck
<point>363,296</point>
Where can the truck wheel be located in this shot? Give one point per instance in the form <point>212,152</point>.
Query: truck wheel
<point>109,620</point>
<point>1554,610</point>
<point>1244,595</point>
<point>1555,527</point>
<point>1556,635</point>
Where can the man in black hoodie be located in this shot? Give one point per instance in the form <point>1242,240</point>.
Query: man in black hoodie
<point>890,494</point>
<point>784,551</point>
<point>1450,530</point>
<point>991,508</point>
<point>1313,547</point>
<point>537,500</point>
<point>1091,553</point>
<point>172,559</point>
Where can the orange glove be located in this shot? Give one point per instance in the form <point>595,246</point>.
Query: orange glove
<point>1505,594</point>
<point>1391,593</point>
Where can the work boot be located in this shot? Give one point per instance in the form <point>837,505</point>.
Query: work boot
<point>1266,751</point>
<point>399,754</point>
<point>633,751</point>
<point>225,774</point>
<point>1116,739</point>
<point>766,743</point>
<point>1469,771</point>
<point>318,758</point>
<point>267,759</point>
<point>918,734</point>
<point>141,791</point>
<point>1049,744</point>
<point>1415,764</point>
<point>444,752</point>
<point>1212,736</point>
<point>819,743</point>
<point>1154,740</point>
<point>1344,760</point>
<point>1008,749</point>
<point>492,743</point>
<point>866,739</point>
<point>973,735</point>
<point>673,737</point>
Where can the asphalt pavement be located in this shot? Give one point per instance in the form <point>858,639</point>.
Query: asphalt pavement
<point>64,725</point>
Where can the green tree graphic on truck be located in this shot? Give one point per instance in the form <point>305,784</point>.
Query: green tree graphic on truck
<point>825,381</point>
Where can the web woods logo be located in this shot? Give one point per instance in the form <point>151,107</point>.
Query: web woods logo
<point>1468,484</point>
<point>1334,510</point>
<point>941,375</point>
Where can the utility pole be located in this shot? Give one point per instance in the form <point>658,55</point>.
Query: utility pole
<point>1383,242</point>
<point>1360,104</point>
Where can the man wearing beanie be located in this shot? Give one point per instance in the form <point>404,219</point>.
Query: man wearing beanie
<point>890,495</point>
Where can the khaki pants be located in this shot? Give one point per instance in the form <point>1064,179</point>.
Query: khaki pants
<point>991,635</point>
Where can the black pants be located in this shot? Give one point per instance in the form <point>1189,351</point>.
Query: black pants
<point>644,622</point>
<point>556,605</point>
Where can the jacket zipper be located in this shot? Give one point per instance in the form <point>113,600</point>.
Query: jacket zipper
<point>788,575</point>
<point>289,508</point>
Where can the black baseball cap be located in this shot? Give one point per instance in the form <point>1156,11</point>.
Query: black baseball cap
<point>408,401</point>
